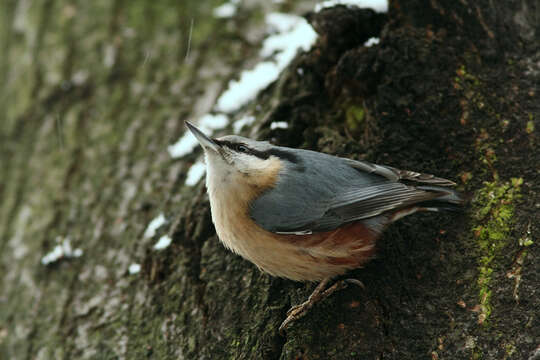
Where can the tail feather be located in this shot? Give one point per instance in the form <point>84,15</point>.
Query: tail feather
<point>441,208</point>
<point>447,200</point>
<point>408,175</point>
<point>447,195</point>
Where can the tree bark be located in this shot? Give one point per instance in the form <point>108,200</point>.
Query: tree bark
<point>93,93</point>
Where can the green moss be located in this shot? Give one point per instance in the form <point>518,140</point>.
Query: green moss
<point>354,116</point>
<point>510,350</point>
<point>530,126</point>
<point>463,74</point>
<point>485,149</point>
<point>526,240</point>
<point>494,210</point>
<point>476,355</point>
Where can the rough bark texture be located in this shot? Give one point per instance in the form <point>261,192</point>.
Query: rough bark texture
<point>92,92</point>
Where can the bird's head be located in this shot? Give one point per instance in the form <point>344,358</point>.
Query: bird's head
<point>236,159</point>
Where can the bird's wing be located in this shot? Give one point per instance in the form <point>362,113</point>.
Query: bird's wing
<point>326,214</point>
<point>332,191</point>
<point>394,174</point>
<point>358,204</point>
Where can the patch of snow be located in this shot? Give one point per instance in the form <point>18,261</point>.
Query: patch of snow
<point>185,145</point>
<point>213,122</point>
<point>154,225</point>
<point>291,33</point>
<point>240,123</point>
<point>280,22</point>
<point>243,90</point>
<point>134,268</point>
<point>195,173</point>
<point>62,250</point>
<point>188,142</point>
<point>227,9</point>
<point>163,243</point>
<point>371,41</point>
<point>377,5</point>
<point>279,125</point>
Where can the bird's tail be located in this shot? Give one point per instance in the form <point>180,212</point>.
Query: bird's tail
<point>442,199</point>
<point>447,195</point>
<point>447,200</point>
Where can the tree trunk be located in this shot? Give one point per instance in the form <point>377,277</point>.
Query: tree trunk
<point>93,93</point>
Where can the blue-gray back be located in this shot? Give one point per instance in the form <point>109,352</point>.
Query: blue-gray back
<point>319,192</point>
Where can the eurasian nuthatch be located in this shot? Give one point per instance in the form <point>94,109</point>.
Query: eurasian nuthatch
<point>305,215</point>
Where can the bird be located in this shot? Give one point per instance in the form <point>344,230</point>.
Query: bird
<point>305,215</point>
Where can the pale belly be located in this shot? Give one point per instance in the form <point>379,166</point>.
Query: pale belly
<point>294,257</point>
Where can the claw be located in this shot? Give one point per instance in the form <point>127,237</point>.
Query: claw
<point>298,311</point>
<point>356,282</point>
<point>291,310</point>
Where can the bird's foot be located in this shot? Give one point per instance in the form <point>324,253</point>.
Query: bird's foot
<point>298,311</point>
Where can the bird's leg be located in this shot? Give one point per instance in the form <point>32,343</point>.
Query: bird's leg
<point>298,311</point>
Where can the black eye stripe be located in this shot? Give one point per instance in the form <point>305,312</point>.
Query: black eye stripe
<point>240,147</point>
<point>243,148</point>
<point>285,155</point>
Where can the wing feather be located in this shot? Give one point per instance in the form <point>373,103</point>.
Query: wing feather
<point>324,192</point>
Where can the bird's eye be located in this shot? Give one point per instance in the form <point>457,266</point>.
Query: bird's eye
<point>242,148</point>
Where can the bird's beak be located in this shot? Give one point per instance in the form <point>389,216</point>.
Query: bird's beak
<point>205,141</point>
